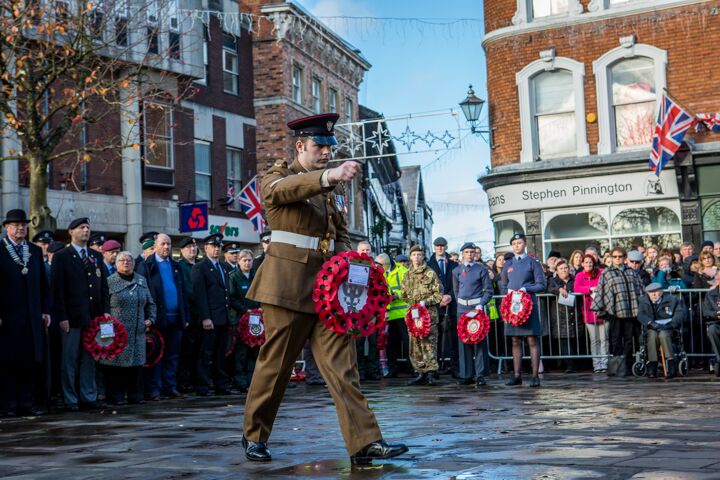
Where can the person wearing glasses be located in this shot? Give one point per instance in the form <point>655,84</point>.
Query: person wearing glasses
<point>635,261</point>
<point>616,301</point>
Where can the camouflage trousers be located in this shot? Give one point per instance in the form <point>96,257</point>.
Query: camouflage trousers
<point>423,351</point>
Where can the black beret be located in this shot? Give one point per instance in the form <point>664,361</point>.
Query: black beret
<point>43,236</point>
<point>517,236</point>
<point>77,222</point>
<point>554,253</point>
<point>55,246</point>
<point>467,245</point>
<point>97,239</point>
<point>187,241</point>
<point>147,236</point>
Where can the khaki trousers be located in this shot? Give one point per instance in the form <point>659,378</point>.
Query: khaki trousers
<point>285,335</point>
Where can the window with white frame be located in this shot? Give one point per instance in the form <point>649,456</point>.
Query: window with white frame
<point>552,108</point>
<point>203,80</point>
<point>231,72</point>
<point>297,83</point>
<point>203,171</point>
<point>348,110</point>
<point>549,8</point>
<point>633,101</point>
<point>174,46</point>
<point>332,100</point>
<point>158,135</point>
<point>96,21</point>
<point>529,10</point>
<point>628,79</point>
<point>120,11</point>
<point>235,178</point>
<point>554,102</point>
<point>315,90</point>
<point>153,40</point>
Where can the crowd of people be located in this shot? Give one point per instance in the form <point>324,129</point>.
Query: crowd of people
<point>52,291</point>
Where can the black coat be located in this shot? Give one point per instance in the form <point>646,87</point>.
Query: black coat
<point>23,300</point>
<point>239,286</point>
<point>447,283</point>
<point>562,317</point>
<point>186,272</point>
<point>79,294</point>
<point>211,295</point>
<point>149,269</point>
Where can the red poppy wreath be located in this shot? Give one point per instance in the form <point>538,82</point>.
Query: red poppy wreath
<point>99,343</point>
<point>343,303</point>
<point>516,313</point>
<point>252,333</point>
<point>473,328</point>
<point>417,320</point>
<point>154,347</point>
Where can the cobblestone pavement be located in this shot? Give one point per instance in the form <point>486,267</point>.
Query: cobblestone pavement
<point>575,426</point>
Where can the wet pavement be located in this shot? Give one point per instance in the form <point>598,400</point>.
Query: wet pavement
<point>576,426</point>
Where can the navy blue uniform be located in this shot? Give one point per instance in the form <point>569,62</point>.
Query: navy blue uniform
<point>524,272</point>
<point>472,284</point>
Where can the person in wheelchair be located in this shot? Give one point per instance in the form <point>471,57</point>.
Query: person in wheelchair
<point>662,314</point>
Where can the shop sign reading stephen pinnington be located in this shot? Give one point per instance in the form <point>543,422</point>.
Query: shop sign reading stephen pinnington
<point>572,192</point>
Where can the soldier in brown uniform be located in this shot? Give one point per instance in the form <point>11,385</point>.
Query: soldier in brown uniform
<point>305,206</point>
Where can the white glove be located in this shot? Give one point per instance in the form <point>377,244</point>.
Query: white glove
<point>479,308</point>
<point>422,302</point>
<point>523,290</point>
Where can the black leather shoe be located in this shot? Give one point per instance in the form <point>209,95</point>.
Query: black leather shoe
<point>480,381</point>
<point>652,370</point>
<point>465,381</point>
<point>672,368</point>
<point>534,382</point>
<point>430,379</point>
<point>514,382</point>
<point>256,451</point>
<point>421,379</point>
<point>376,451</point>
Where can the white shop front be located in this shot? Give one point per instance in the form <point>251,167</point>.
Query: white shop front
<point>606,210</point>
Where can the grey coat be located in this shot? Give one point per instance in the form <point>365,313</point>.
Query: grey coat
<point>132,304</point>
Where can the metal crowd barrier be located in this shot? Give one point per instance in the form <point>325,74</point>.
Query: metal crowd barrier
<point>557,318</point>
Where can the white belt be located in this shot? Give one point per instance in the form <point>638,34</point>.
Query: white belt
<point>467,303</point>
<point>301,241</point>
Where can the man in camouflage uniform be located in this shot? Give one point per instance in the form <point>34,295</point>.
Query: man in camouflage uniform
<point>422,285</point>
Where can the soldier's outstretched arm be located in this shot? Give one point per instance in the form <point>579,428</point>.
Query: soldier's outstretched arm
<point>280,189</point>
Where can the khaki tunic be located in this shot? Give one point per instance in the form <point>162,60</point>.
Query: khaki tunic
<point>296,202</point>
<point>422,284</point>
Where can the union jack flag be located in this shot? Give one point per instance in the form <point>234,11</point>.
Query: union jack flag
<point>711,121</point>
<point>672,124</point>
<point>249,198</point>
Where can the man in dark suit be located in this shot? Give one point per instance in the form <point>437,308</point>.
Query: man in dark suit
<point>210,289</point>
<point>265,243</point>
<point>230,253</point>
<point>43,239</point>
<point>447,334</point>
<point>165,281</point>
<point>79,294</point>
<point>24,316</point>
<point>189,349</point>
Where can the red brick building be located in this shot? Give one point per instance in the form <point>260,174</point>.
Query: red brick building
<point>573,88</point>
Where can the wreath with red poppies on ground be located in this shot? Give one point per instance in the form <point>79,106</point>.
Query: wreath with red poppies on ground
<point>251,335</point>
<point>418,327</point>
<point>104,347</point>
<point>512,315</point>
<point>371,316</point>
<point>473,326</point>
<point>154,347</point>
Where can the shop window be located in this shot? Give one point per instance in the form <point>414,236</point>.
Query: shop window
<point>711,219</point>
<point>587,225</point>
<point>645,220</point>
<point>628,79</point>
<point>504,230</point>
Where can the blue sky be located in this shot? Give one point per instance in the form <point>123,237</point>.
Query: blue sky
<point>421,67</point>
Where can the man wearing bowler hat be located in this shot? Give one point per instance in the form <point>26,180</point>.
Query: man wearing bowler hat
<point>24,315</point>
<point>211,291</point>
<point>79,294</point>
<point>305,205</point>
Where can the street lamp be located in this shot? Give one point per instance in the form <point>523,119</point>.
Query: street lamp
<point>471,108</point>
